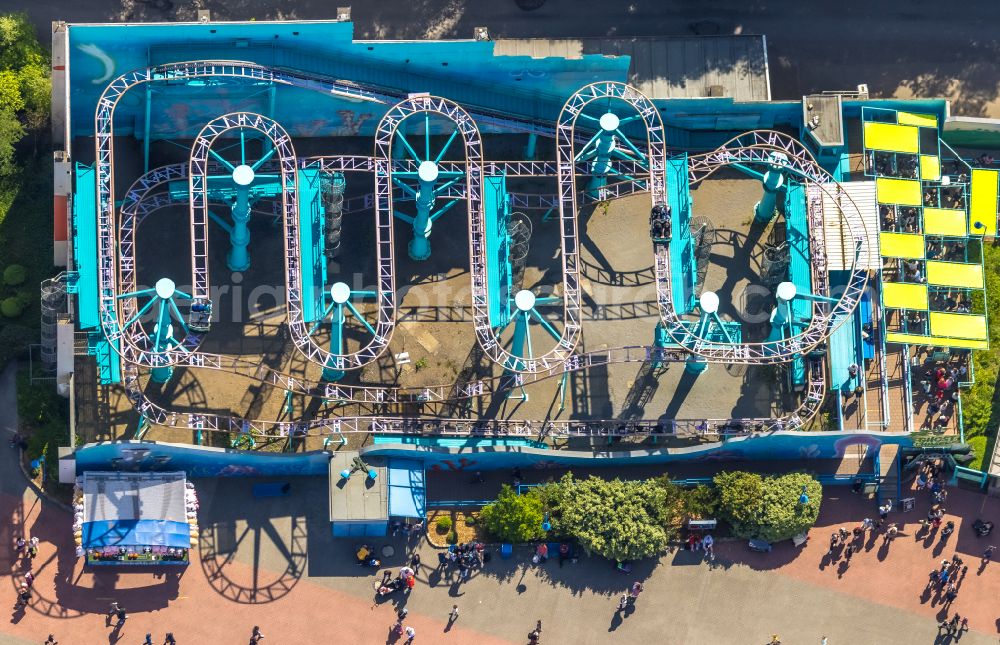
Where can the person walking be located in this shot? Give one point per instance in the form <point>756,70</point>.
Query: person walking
<point>623,602</point>
<point>122,616</point>
<point>535,635</point>
<point>51,640</point>
<point>29,577</point>
<point>452,615</point>
<point>169,639</point>
<point>23,597</point>
<point>410,634</point>
<point>256,636</point>
<point>988,554</point>
<point>149,639</point>
<point>113,610</point>
<point>635,590</point>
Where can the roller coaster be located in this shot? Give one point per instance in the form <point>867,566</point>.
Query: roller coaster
<point>177,336</point>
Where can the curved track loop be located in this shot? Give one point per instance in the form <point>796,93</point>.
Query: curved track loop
<point>145,201</point>
<point>478,260</point>
<point>134,340</point>
<point>755,148</point>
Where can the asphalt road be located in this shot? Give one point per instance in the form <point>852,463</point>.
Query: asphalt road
<point>898,47</point>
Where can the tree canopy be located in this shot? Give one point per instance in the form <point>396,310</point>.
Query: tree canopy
<point>768,508</point>
<point>25,87</point>
<point>620,520</point>
<point>513,517</point>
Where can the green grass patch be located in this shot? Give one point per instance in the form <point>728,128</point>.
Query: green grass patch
<point>44,421</point>
<point>980,403</point>
<point>26,241</point>
<point>978,444</point>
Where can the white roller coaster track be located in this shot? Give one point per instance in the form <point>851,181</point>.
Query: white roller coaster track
<point>141,200</point>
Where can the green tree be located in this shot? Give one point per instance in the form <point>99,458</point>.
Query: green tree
<point>513,517</point>
<point>740,500</point>
<point>11,131</point>
<point>14,275</point>
<point>700,502</point>
<point>768,508</point>
<point>618,520</point>
<point>784,516</point>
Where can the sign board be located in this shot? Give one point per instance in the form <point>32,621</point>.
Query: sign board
<point>906,504</point>
<point>67,471</point>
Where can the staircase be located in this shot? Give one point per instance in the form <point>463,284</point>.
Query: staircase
<point>888,472</point>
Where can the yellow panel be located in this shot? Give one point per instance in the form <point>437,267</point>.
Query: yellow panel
<point>955,274</point>
<point>900,191</point>
<point>983,202</point>
<point>909,118</point>
<point>903,295</point>
<point>930,168</point>
<point>958,325</point>
<point>936,341</point>
<point>891,137</point>
<point>945,221</point>
<point>901,245</point>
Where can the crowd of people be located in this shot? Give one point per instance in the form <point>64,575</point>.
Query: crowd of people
<point>939,387</point>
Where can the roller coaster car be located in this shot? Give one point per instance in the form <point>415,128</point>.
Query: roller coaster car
<point>201,316</point>
<point>659,223</point>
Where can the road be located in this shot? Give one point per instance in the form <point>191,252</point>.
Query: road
<point>900,48</point>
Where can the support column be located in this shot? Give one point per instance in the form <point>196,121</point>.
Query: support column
<point>340,293</point>
<point>420,246</point>
<point>529,150</point>
<point>524,300</point>
<point>709,304</point>
<point>163,331</point>
<point>773,182</point>
<point>660,340</point>
<point>603,147</point>
<point>147,127</point>
<point>784,295</point>
<point>239,236</point>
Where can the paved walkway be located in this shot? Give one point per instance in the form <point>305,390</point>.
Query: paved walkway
<point>274,563</point>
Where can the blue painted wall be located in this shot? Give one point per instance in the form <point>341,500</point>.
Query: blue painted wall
<point>197,461</point>
<point>216,462</point>
<point>465,71</point>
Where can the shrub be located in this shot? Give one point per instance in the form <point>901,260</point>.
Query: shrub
<point>768,508</point>
<point>741,500</point>
<point>452,538</point>
<point>470,521</point>
<point>513,517</point>
<point>14,339</point>
<point>618,520</point>
<point>979,451</point>
<point>443,524</point>
<point>11,307</point>
<point>14,275</point>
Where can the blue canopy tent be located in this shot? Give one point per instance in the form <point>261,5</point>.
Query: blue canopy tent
<point>407,492</point>
<point>134,518</point>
